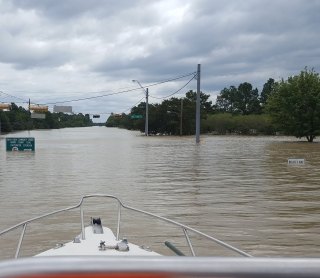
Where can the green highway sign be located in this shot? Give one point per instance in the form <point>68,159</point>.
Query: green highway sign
<point>20,144</point>
<point>136,116</point>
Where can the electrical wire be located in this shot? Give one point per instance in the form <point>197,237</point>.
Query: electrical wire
<point>108,113</point>
<point>177,90</point>
<point>93,97</point>
<point>8,95</point>
<point>170,80</point>
<point>133,105</point>
<point>121,92</point>
<point>194,75</point>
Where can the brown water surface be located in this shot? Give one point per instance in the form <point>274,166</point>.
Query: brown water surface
<point>238,189</point>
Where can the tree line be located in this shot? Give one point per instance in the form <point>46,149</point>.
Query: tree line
<point>290,107</point>
<point>19,118</point>
<point>166,118</point>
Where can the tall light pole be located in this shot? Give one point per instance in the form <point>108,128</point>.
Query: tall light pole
<point>146,128</point>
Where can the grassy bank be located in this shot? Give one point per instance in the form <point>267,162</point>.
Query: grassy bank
<point>226,123</point>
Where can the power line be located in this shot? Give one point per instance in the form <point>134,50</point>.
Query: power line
<point>177,90</point>
<point>93,97</point>
<point>8,95</point>
<point>108,113</point>
<point>169,80</point>
<point>134,105</point>
<point>119,92</point>
<point>124,91</point>
<point>194,75</point>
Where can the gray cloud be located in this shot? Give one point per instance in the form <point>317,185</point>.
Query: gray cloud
<point>70,9</point>
<point>75,47</point>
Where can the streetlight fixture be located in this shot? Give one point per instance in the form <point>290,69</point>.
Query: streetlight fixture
<point>146,128</point>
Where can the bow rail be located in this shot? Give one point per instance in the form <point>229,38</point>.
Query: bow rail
<point>121,205</point>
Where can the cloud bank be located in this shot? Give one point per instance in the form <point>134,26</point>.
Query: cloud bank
<point>64,50</point>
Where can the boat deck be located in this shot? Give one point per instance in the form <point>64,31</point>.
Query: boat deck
<point>91,246</point>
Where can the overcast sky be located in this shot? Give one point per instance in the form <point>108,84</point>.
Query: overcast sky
<point>53,51</point>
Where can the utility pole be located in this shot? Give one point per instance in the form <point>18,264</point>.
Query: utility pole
<point>198,106</point>
<point>146,128</point>
<point>181,109</point>
<point>0,125</point>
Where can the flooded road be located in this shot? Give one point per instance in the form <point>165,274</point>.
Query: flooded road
<point>238,189</point>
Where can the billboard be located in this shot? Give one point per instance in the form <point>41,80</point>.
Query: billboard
<point>38,108</point>
<point>4,106</point>
<point>62,109</point>
<point>38,116</point>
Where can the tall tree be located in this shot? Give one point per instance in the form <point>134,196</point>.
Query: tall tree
<point>267,90</point>
<point>189,110</point>
<point>226,100</point>
<point>242,100</point>
<point>247,101</point>
<point>295,105</point>
<point>5,125</point>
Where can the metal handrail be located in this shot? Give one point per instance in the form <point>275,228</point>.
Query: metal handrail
<point>121,205</point>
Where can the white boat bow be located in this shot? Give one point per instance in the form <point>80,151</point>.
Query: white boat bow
<point>99,253</point>
<point>89,241</point>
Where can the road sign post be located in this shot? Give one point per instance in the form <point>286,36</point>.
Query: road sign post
<point>136,116</point>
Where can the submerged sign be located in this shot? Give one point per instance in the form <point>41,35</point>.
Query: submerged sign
<point>296,161</point>
<point>20,144</point>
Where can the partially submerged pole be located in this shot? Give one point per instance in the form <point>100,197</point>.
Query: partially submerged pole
<point>146,128</point>
<point>181,111</point>
<point>198,106</point>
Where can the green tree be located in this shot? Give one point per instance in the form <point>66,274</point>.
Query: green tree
<point>247,101</point>
<point>4,122</point>
<point>268,89</point>
<point>19,118</point>
<point>223,123</point>
<point>139,124</point>
<point>295,105</point>
<point>226,100</point>
<point>165,118</point>
<point>243,100</point>
<point>189,110</point>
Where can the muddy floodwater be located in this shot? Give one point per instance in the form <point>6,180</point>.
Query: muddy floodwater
<point>239,189</point>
